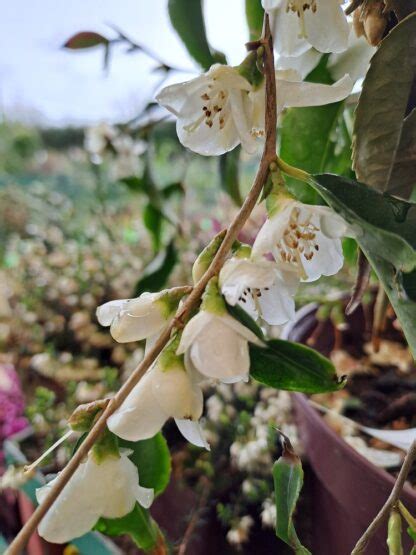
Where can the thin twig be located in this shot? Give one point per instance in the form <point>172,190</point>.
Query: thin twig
<point>269,155</point>
<point>195,517</point>
<point>361,283</point>
<point>391,502</point>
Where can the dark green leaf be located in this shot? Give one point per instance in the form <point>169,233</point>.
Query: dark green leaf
<point>384,131</point>
<point>288,481</point>
<point>244,318</point>
<point>294,367</point>
<point>384,228</point>
<point>188,21</point>
<point>254,16</point>
<point>229,174</point>
<point>152,458</point>
<point>138,524</point>
<point>134,183</point>
<point>307,137</point>
<point>85,39</point>
<point>173,189</point>
<point>412,533</point>
<point>156,274</point>
<point>153,219</point>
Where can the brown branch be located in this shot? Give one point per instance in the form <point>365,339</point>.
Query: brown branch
<point>190,529</point>
<point>389,504</point>
<point>269,155</point>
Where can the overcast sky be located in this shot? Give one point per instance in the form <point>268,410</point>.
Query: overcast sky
<point>41,81</point>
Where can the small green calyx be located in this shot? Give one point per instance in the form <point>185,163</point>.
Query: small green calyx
<point>244,251</point>
<point>212,300</point>
<point>203,262</point>
<point>106,447</point>
<point>169,299</point>
<point>277,195</point>
<point>168,359</point>
<point>84,416</point>
<point>250,71</point>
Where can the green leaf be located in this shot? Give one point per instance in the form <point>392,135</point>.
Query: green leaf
<point>173,189</point>
<point>188,21</point>
<point>384,229</point>
<point>244,318</point>
<point>384,132</point>
<point>134,183</point>
<point>254,17</point>
<point>138,524</point>
<point>307,136</point>
<point>229,175</point>
<point>156,274</point>
<point>85,39</point>
<point>152,458</point>
<point>288,481</point>
<point>153,219</point>
<point>294,367</point>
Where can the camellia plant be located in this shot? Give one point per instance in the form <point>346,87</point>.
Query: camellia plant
<point>291,99</point>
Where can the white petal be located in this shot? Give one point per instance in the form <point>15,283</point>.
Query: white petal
<point>303,64</point>
<point>119,479</point>
<point>140,416</point>
<point>192,432</point>
<point>108,311</point>
<point>402,439</point>
<point>286,33</point>
<point>195,376</point>
<point>327,29</point>
<point>298,94</point>
<point>236,379</point>
<point>140,319</point>
<point>175,96</point>
<point>176,394</point>
<point>219,352</point>
<point>354,61</point>
<point>272,230</point>
<point>192,329</point>
<point>325,262</point>
<point>238,274</point>
<point>277,306</point>
<point>239,111</point>
<point>144,496</point>
<point>240,329</point>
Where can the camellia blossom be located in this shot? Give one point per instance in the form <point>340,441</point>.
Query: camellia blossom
<point>299,24</point>
<point>166,391</point>
<point>213,111</point>
<point>261,288</point>
<point>107,489</point>
<point>306,236</point>
<point>216,343</point>
<point>141,318</point>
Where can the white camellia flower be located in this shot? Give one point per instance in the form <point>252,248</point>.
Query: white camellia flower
<point>260,287</point>
<point>298,24</point>
<point>166,391</point>
<point>216,343</point>
<point>109,489</point>
<point>141,318</point>
<point>292,92</point>
<point>213,111</point>
<point>306,236</point>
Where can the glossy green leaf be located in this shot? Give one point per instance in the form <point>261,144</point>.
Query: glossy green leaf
<point>384,152</point>
<point>229,174</point>
<point>138,524</point>
<point>288,481</point>
<point>254,17</point>
<point>152,458</point>
<point>384,229</point>
<point>156,274</point>
<point>294,367</point>
<point>187,19</point>
<point>85,39</point>
<point>153,219</point>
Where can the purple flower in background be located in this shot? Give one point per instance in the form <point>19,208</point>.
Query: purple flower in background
<point>11,403</point>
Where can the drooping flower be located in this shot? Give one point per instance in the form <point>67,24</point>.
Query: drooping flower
<point>213,111</point>
<point>109,489</point>
<point>298,24</point>
<point>292,92</point>
<point>305,236</point>
<point>141,318</point>
<point>166,391</point>
<point>216,343</point>
<point>261,287</point>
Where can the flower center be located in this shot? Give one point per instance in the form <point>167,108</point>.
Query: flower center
<point>298,238</point>
<point>299,7</point>
<point>214,100</point>
<point>253,292</point>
